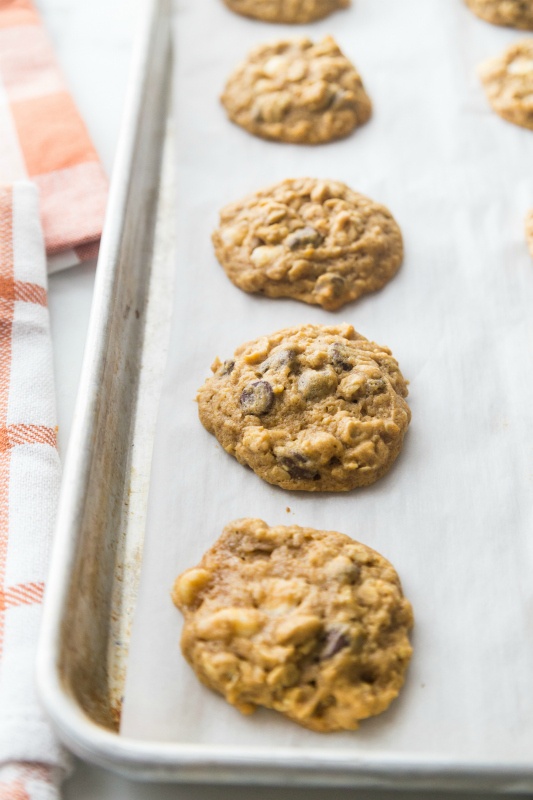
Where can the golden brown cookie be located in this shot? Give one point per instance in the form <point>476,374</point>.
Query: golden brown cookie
<point>512,13</point>
<point>313,240</point>
<point>529,231</point>
<point>296,91</point>
<point>309,623</point>
<point>508,82</point>
<point>315,408</point>
<point>286,11</point>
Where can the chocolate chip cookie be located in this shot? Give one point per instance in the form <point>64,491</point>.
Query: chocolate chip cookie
<point>309,623</point>
<point>296,91</point>
<point>508,82</point>
<point>315,408</point>
<point>286,11</point>
<point>313,240</point>
<point>512,13</point>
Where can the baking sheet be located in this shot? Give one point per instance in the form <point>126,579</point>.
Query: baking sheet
<point>455,513</point>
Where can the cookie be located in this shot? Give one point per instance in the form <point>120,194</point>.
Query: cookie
<point>512,13</point>
<point>309,623</point>
<point>315,408</point>
<point>529,231</point>
<point>312,240</point>
<point>286,11</point>
<point>296,91</point>
<point>508,82</point>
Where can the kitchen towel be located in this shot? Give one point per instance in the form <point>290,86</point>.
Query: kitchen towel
<point>31,760</point>
<point>42,137</point>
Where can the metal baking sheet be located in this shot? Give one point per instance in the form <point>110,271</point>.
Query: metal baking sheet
<point>101,526</point>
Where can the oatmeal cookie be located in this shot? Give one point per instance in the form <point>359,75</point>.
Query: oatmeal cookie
<point>529,231</point>
<point>313,240</point>
<point>296,91</point>
<point>309,623</point>
<point>512,13</point>
<point>508,82</point>
<point>315,408</point>
<point>286,11</point>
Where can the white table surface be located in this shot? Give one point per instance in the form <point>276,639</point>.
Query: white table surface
<point>93,40</point>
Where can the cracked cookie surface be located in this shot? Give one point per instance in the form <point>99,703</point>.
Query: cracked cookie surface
<point>508,83</point>
<point>315,408</point>
<point>313,240</point>
<point>296,91</point>
<point>286,11</point>
<point>511,13</point>
<point>310,623</point>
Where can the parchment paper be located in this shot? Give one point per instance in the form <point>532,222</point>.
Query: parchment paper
<point>455,514</point>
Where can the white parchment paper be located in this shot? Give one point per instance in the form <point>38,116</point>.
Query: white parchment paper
<point>455,514</point>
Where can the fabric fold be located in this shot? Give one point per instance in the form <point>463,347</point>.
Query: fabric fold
<point>45,139</point>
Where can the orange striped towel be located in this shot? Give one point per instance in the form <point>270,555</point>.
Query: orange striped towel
<point>29,782</point>
<point>42,137</point>
<point>31,760</point>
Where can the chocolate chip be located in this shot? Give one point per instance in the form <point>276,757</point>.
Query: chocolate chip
<point>335,642</point>
<point>332,283</point>
<point>227,367</point>
<point>303,237</point>
<point>257,398</point>
<point>293,465</point>
<point>339,355</point>
<point>301,459</point>
<point>278,360</point>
